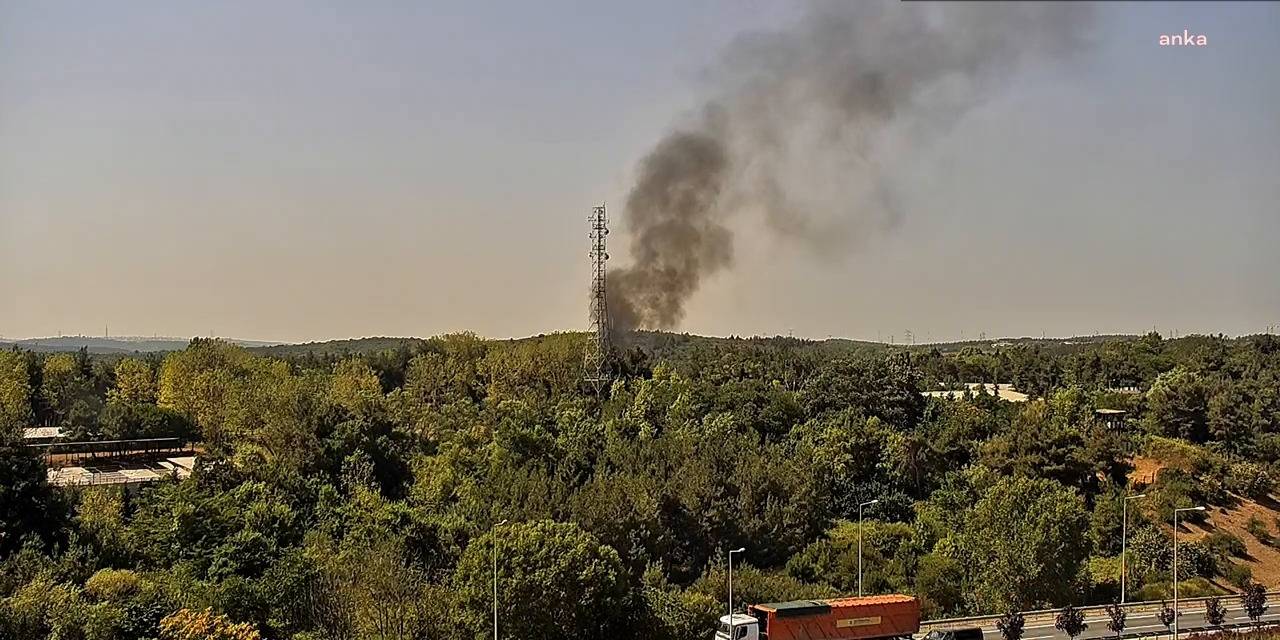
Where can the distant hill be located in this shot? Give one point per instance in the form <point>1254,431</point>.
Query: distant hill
<point>119,345</point>
<point>657,342</point>
<point>355,346</point>
<point>664,343</point>
<point>1074,343</point>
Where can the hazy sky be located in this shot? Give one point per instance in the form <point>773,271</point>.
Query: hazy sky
<point>298,170</point>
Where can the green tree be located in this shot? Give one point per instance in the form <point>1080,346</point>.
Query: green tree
<point>15,393</point>
<point>846,449</point>
<point>1025,541</point>
<point>1011,625</point>
<point>135,383</point>
<point>940,583</point>
<point>675,614</point>
<point>1151,552</point>
<point>205,382</point>
<point>100,522</point>
<point>27,504</point>
<point>1232,418</point>
<point>879,388</point>
<point>67,391</point>
<point>1070,621</point>
<point>555,581</point>
<point>1250,479</point>
<point>1116,618</point>
<point>355,387</point>
<point>371,589</point>
<point>1039,443</point>
<point>120,421</point>
<point>1177,405</point>
<point>1105,522</point>
<point>1254,599</point>
<point>1215,613</point>
<point>1166,615</point>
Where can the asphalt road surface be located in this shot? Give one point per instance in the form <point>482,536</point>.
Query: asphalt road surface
<point>1137,624</point>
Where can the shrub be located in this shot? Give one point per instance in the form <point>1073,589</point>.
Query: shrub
<point>674,613</point>
<point>205,625</point>
<point>1105,572</point>
<point>1198,588</point>
<point>1249,479</point>
<point>1226,544</point>
<point>1194,588</point>
<point>1178,454</point>
<point>1150,553</point>
<point>1196,559</point>
<point>1258,529</point>
<point>1252,634</point>
<point>1176,489</point>
<point>1238,575</point>
<point>112,585</point>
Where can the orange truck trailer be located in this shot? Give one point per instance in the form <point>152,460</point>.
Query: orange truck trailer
<point>865,618</point>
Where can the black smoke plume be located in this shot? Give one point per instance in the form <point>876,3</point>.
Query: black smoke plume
<point>799,125</point>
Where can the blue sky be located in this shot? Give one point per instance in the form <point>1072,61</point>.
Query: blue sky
<point>310,170</point>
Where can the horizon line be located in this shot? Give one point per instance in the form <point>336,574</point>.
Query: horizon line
<point>893,341</point>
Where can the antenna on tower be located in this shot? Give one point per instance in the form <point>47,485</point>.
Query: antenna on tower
<point>595,358</point>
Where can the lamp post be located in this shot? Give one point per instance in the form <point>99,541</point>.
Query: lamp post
<point>731,552</point>
<point>1124,545</point>
<point>1175,566</point>
<point>860,506</point>
<point>495,579</point>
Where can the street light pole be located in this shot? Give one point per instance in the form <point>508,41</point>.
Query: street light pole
<point>1124,545</point>
<point>1175,566</point>
<point>495,579</point>
<point>860,506</point>
<point>731,552</point>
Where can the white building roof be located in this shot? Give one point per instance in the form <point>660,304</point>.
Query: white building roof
<point>185,462</point>
<point>40,433</point>
<point>110,473</point>
<point>1002,391</point>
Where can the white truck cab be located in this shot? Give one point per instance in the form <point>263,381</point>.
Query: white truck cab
<point>745,627</point>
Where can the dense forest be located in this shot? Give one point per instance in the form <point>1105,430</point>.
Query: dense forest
<point>348,492</point>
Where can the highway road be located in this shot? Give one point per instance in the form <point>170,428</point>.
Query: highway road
<point>1137,624</point>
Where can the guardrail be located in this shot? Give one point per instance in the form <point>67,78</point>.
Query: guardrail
<point>1042,614</point>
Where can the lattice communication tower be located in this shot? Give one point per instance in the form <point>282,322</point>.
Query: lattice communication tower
<point>595,359</point>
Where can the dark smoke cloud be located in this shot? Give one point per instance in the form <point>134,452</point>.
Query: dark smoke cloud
<point>800,126</point>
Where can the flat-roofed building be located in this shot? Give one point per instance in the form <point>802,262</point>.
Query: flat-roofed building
<point>1113,419</point>
<point>42,435</point>
<point>126,474</point>
<point>1002,391</point>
